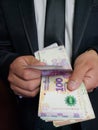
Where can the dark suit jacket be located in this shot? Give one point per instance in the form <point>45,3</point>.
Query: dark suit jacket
<point>18,36</point>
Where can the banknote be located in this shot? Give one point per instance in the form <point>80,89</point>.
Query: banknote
<point>54,45</point>
<point>50,70</point>
<point>56,102</point>
<point>54,64</point>
<point>56,56</point>
<point>48,67</point>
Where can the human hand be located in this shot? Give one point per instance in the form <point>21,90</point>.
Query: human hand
<point>24,81</point>
<point>85,70</point>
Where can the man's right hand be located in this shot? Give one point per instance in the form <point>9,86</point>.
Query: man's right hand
<point>23,81</point>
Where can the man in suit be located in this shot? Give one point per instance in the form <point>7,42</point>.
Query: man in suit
<point>19,41</point>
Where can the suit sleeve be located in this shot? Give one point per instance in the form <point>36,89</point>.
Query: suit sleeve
<point>7,53</point>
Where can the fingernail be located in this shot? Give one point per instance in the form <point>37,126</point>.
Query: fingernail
<point>73,85</point>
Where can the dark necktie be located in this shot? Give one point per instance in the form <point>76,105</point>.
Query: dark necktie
<point>55,22</point>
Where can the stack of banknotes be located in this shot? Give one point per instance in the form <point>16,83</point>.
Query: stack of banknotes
<point>56,102</point>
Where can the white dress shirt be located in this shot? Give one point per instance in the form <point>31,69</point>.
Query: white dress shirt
<point>40,10</point>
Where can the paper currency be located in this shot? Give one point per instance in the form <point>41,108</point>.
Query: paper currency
<point>55,56</point>
<point>55,64</point>
<point>46,67</point>
<point>50,70</point>
<point>56,102</point>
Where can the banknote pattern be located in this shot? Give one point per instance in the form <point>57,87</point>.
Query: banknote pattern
<point>56,102</point>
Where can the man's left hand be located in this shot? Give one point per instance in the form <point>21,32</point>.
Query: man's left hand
<point>85,70</point>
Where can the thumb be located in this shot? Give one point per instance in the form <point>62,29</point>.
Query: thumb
<point>77,77</point>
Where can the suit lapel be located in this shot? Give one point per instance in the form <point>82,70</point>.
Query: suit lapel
<point>21,24</point>
<point>82,13</point>
<point>28,18</point>
<point>15,28</point>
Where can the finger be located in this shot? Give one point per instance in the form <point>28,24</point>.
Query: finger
<point>27,74</point>
<point>90,80</point>
<point>77,76</point>
<point>29,85</point>
<point>24,93</point>
<point>19,67</point>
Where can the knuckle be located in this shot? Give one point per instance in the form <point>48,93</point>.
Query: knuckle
<point>30,87</point>
<point>13,88</point>
<point>10,78</point>
<point>35,93</point>
<point>96,84</point>
<point>11,66</point>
